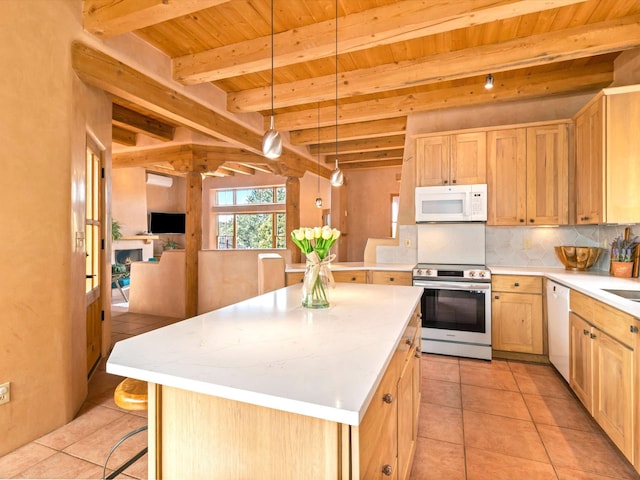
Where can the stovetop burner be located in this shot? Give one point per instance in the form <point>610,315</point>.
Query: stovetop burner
<point>479,273</point>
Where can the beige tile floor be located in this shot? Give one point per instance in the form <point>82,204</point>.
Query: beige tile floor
<point>478,420</point>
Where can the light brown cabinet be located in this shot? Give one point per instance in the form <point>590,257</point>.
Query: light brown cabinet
<point>608,157</point>
<point>390,277</point>
<point>451,159</point>
<point>602,343</point>
<point>516,316</point>
<point>528,175</point>
<point>382,277</point>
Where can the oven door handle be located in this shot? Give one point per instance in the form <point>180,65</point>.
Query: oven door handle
<point>453,285</point>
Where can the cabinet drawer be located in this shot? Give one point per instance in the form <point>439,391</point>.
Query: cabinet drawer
<point>352,276</point>
<point>385,277</point>
<point>294,277</point>
<point>581,305</point>
<point>615,323</point>
<point>516,284</point>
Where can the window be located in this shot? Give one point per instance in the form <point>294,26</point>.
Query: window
<point>250,218</point>
<point>395,207</point>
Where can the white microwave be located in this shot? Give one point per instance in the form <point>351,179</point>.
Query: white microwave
<point>451,203</point>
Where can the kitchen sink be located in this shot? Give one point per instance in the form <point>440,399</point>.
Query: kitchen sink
<point>633,295</point>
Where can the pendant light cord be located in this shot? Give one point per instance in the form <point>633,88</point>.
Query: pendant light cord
<point>272,53</point>
<point>318,155</point>
<point>336,83</point>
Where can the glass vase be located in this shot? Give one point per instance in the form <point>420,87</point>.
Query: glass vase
<point>315,286</point>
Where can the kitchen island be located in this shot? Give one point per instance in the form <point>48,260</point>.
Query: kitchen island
<point>267,389</point>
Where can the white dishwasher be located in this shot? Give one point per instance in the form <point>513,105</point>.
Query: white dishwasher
<point>558,326</point>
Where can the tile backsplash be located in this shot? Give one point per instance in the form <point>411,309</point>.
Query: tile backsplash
<point>533,246</point>
<point>521,246</point>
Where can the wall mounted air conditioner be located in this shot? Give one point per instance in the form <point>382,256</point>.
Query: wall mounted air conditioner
<point>159,180</point>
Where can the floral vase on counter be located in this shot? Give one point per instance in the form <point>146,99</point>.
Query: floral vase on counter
<point>622,254</point>
<point>621,269</point>
<point>315,244</point>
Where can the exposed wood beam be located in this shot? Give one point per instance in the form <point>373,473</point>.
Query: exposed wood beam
<point>126,118</point>
<point>107,18</point>
<point>255,166</point>
<point>123,136</point>
<point>395,154</point>
<point>352,131</point>
<point>151,156</point>
<point>237,168</point>
<point>164,170</point>
<point>579,42</point>
<point>103,71</point>
<point>404,20</point>
<point>364,145</point>
<point>514,87</point>
<point>372,164</point>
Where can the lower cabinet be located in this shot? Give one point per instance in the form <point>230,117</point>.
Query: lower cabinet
<point>516,314</point>
<point>601,354</point>
<point>382,277</point>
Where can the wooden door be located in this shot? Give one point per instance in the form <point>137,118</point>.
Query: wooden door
<point>94,247</point>
<point>468,158</point>
<point>432,161</point>
<point>589,166</point>
<point>507,176</point>
<point>613,390</point>
<point>517,322</point>
<point>580,360</point>
<point>547,175</point>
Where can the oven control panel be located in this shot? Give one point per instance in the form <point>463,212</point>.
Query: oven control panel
<point>449,273</point>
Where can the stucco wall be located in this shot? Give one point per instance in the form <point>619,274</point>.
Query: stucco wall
<point>43,130</point>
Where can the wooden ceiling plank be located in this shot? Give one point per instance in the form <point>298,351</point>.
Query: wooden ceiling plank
<point>236,167</point>
<point>401,21</point>
<point>578,42</point>
<point>151,156</point>
<point>123,136</point>
<point>107,18</point>
<point>522,87</point>
<point>360,145</point>
<point>126,118</point>
<point>373,164</point>
<point>392,154</point>
<point>379,128</point>
<point>103,71</point>
<point>164,170</point>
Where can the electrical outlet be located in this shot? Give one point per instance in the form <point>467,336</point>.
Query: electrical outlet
<point>527,243</point>
<point>407,242</point>
<point>5,393</point>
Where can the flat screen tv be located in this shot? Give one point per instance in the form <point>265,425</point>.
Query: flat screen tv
<point>161,222</point>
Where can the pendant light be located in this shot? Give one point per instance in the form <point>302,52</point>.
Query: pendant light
<point>319,198</point>
<point>336,179</point>
<point>272,141</point>
<point>488,82</point>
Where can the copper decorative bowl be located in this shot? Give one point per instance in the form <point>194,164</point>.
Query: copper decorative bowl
<point>578,258</point>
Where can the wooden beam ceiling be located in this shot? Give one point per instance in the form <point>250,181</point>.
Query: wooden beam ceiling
<point>393,23</point>
<point>139,123</point>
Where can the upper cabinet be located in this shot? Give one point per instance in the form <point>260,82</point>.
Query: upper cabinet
<point>608,158</point>
<point>528,175</point>
<point>451,159</point>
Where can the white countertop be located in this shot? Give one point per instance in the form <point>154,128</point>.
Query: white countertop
<point>590,283</point>
<point>270,351</point>
<point>401,267</point>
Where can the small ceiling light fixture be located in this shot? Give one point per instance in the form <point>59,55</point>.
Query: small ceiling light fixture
<point>488,82</point>
<point>336,179</point>
<point>272,141</point>
<point>319,198</point>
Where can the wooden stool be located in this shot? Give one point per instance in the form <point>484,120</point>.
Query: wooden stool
<point>130,394</point>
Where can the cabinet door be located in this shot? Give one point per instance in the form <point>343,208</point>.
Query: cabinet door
<point>612,390</point>
<point>350,276</point>
<point>389,277</point>
<point>580,364</point>
<point>294,277</point>
<point>432,161</point>
<point>406,439</point>
<point>547,175</point>
<point>589,158</point>
<point>507,176</point>
<point>517,322</point>
<point>468,158</point>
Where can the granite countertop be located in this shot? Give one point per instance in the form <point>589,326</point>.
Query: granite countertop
<point>590,283</point>
<point>269,351</point>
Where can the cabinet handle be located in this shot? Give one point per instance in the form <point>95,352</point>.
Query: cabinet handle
<point>446,181</point>
<point>391,279</point>
<point>585,332</point>
<point>531,220</point>
<point>497,297</point>
<point>522,220</point>
<point>418,354</point>
<point>387,470</point>
<point>516,284</point>
<point>453,181</point>
<point>633,329</point>
<point>353,279</point>
<point>387,398</point>
<point>408,341</point>
<point>593,335</point>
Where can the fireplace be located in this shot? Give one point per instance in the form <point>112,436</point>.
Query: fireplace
<point>126,256</point>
